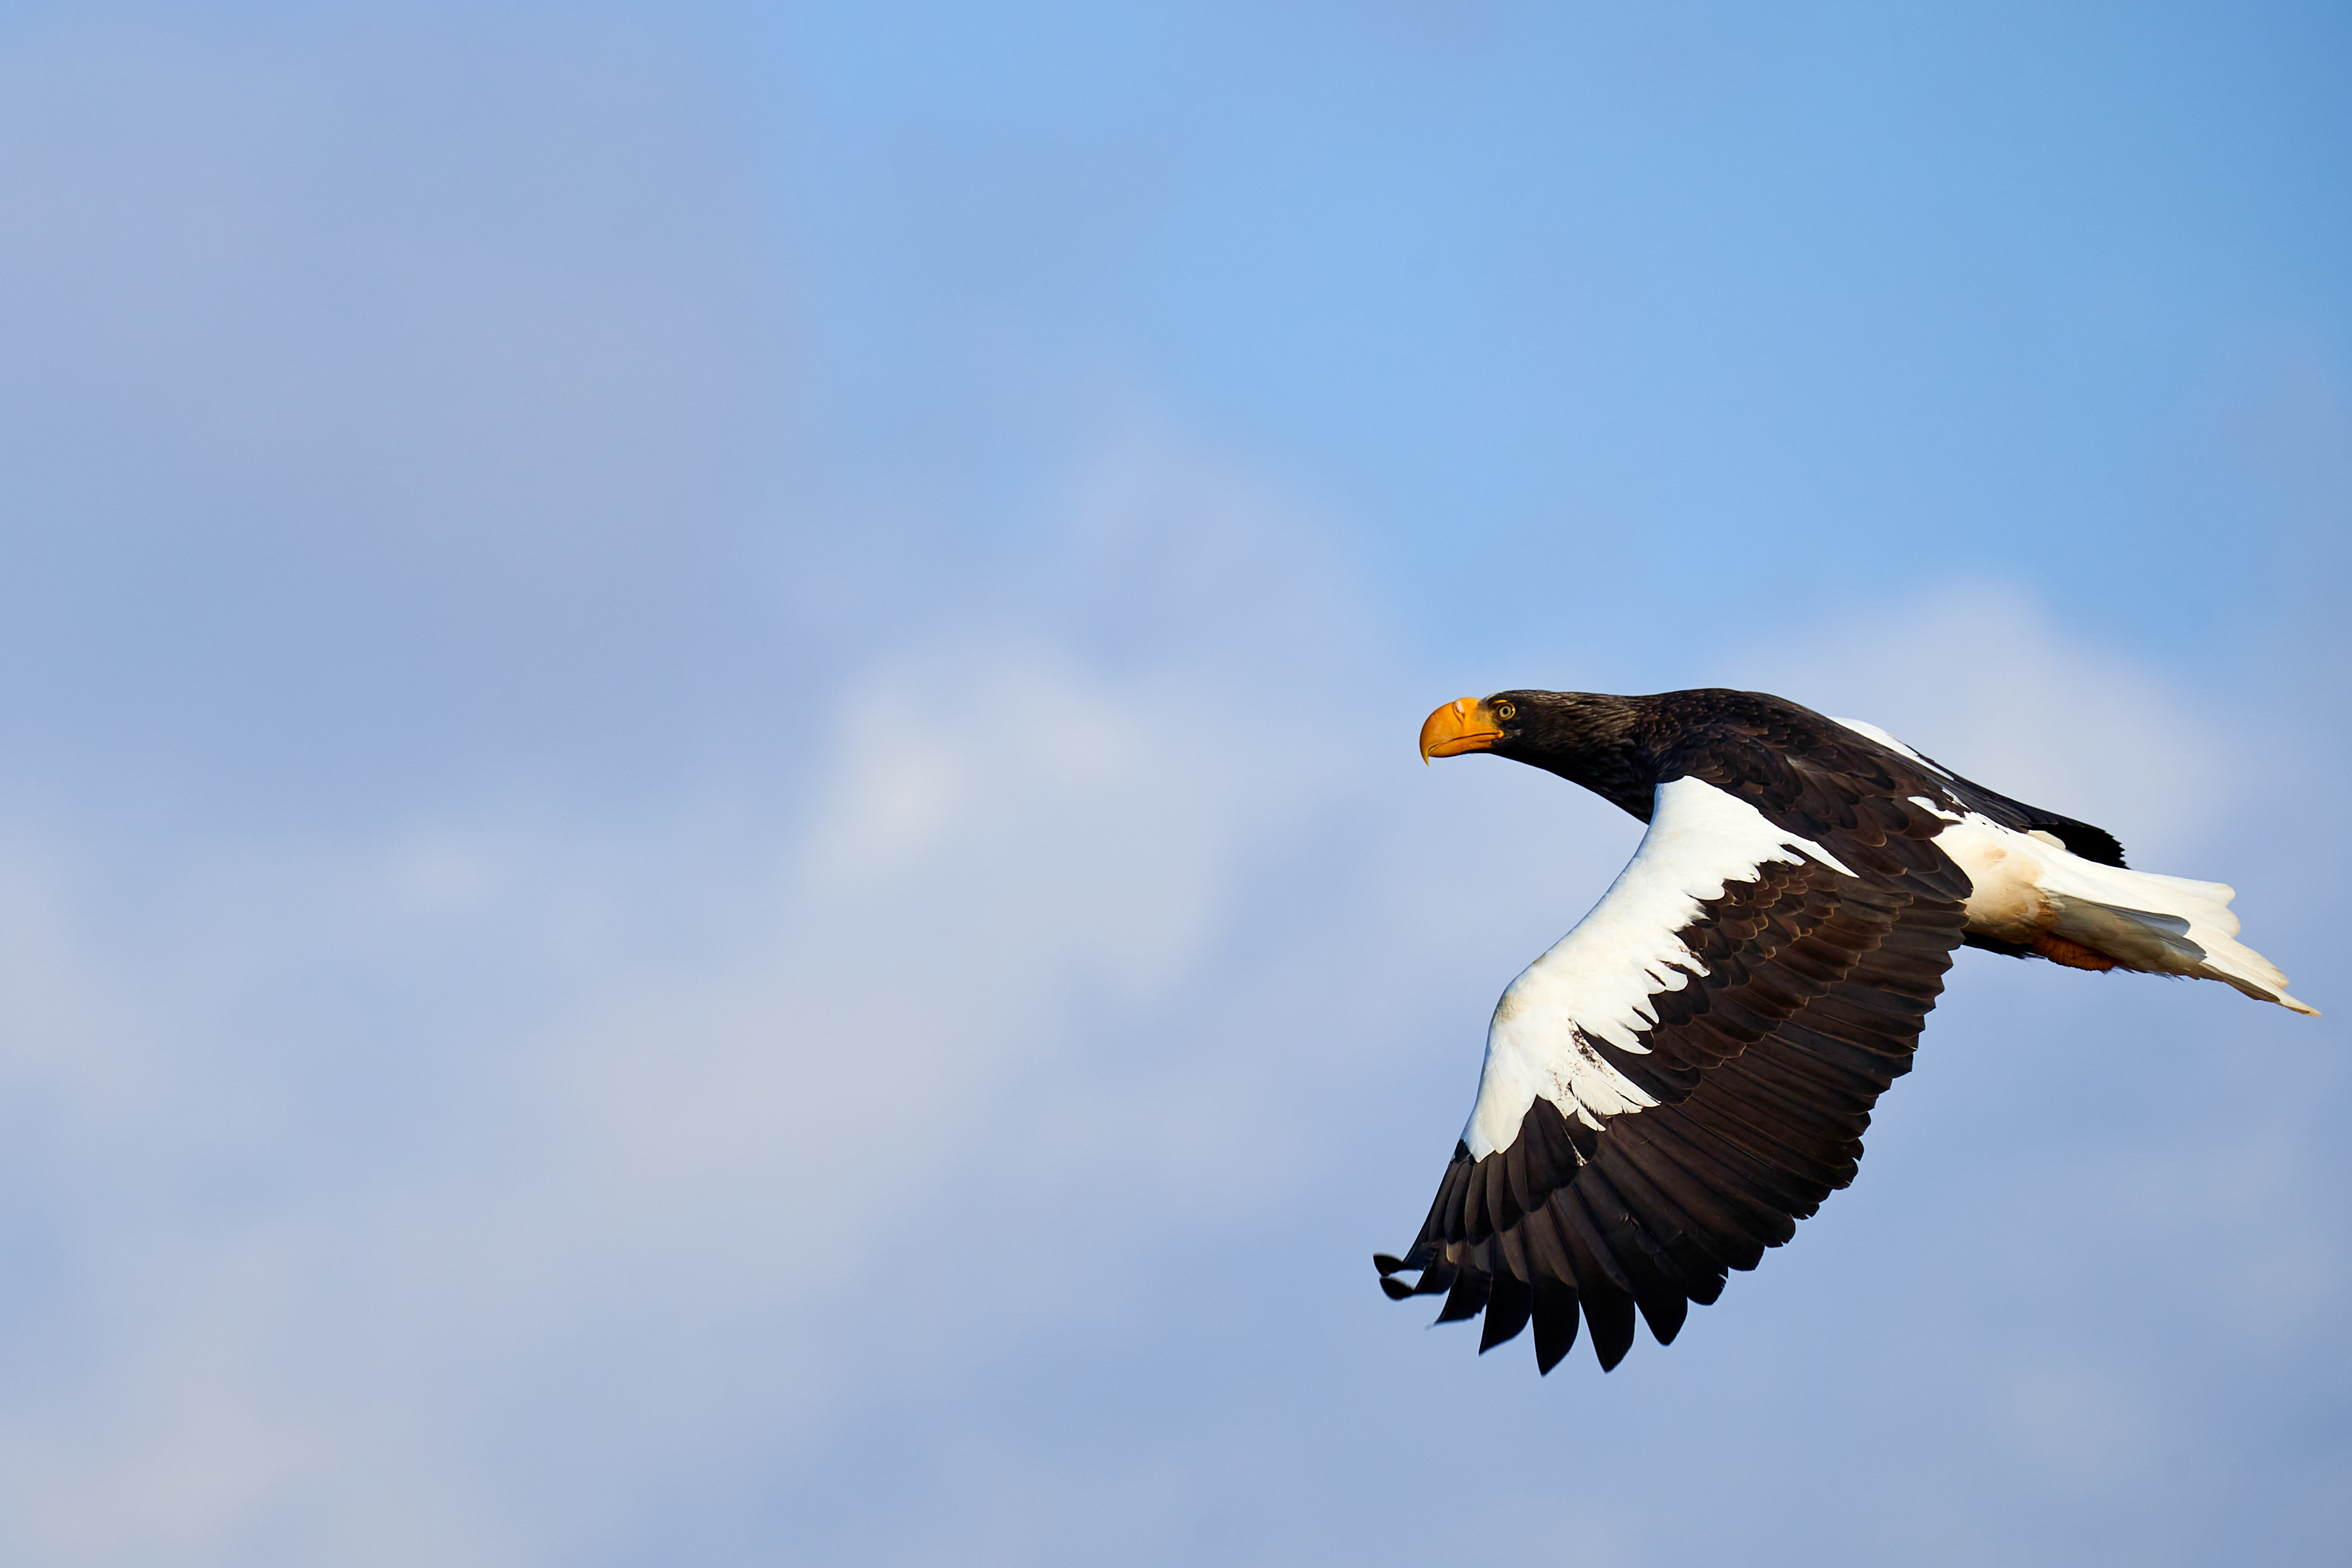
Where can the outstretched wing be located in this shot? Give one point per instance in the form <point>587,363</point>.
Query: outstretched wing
<point>1688,1073</point>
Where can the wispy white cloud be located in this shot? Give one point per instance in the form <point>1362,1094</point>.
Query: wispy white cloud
<point>639,1102</point>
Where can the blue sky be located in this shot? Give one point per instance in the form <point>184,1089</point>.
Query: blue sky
<point>708,847</point>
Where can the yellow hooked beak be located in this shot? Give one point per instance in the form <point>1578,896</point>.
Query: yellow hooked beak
<point>1466,724</point>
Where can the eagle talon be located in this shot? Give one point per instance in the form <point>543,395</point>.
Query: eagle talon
<point>2073,955</point>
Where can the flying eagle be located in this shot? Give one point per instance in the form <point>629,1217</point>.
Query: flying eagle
<point>1687,1073</point>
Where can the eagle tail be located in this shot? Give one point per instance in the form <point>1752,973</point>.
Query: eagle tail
<point>2159,926</point>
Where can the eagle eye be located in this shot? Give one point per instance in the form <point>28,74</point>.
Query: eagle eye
<point>1505,711</point>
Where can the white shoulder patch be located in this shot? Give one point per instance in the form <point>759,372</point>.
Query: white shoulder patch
<point>1600,980</point>
<point>1861,727</point>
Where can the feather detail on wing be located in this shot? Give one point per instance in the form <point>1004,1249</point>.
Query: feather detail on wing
<point>1688,1073</point>
<point>1600,985</point>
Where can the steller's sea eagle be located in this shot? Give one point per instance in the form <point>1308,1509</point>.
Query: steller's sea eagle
<point>1687,1073</point>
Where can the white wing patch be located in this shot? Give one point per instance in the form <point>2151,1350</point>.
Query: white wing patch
<point>1598,982</point>
<point>1863,727</point>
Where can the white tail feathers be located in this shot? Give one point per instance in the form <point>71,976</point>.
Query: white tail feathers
<point>2170,926</point>
<point>2027,886</point>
